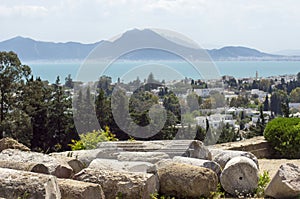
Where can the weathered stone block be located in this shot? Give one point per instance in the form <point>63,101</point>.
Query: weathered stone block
<point>121,184</point>
<point>240,176</point>
<point>286,182</point>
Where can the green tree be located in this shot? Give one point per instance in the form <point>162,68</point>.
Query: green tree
<point>218,99</point>
<point>84,116</point>
<point>240,101</point>
<point>104,83</point>
<point>12,72</point>
<point>227,134</point>
<point>60,126</point>
<point>266,103</point>
<point>69,82</point>
<point>295,95</point>
<point>103,110</point>
<point>193,101</point>
<point>200,133</point>
<point>277,99</point>
<point>35,97</point>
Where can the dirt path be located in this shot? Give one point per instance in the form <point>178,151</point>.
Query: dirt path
<point>272,165</point>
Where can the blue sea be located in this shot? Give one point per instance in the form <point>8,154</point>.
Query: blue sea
<point>167,70</point>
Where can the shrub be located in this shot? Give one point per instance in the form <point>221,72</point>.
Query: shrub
<point>284,135</point>
<point>91,139</point>
<point>264,180</point>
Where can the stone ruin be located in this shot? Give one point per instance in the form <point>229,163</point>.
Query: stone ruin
<point>137,169</point>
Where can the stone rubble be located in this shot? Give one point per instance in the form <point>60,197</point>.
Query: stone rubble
<point>137,169</point>
<point>56,167</point>
<point>121,184</point>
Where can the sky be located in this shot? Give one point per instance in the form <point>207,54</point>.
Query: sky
<point>267,25</point>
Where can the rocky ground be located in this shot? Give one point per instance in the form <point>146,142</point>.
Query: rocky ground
<point>272,165</point>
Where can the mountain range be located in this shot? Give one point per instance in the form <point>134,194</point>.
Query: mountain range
<point>32,50</point>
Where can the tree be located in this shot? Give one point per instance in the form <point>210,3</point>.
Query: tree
<point>266,103</point>
<point>207,104</point>
<point>227,134</point>
<point>12,72</point>
<point>277,99</point>
<point>35,97</point>
<point>264,85</point>
<point>285,108</point>
<point>217,99</point>
<point>85,112</point>
<point>150,78</point>
<point>60,126</point>
<point>103,111</point>
<point>200,133</point>
<point>69,81</point>
<point>171,103</point>
<point>104,83</point>
<point>240,101</point>
<point>193,101</point>
<point>295,95</point>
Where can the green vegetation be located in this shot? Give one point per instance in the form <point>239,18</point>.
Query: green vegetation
<point>91,139</point>
<point>157,196</point>
<point>220,193</point>
<point>264,180</point>
<point>284,135</point>
<point>295,95</point>
<point>32,111</point>
<point>25,195</point>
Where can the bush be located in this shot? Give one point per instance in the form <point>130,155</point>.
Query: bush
<point>264,180</point>
<point>91,139</point>
<point>284,135</point>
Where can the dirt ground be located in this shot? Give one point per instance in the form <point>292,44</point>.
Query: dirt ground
<point>272,165</point>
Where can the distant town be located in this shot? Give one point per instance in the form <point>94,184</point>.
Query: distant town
<point>229,109</point>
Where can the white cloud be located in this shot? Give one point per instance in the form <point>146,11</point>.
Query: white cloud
<point>23,11</point>
<point>267,25</point>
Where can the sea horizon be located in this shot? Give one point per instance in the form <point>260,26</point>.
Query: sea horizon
<point>238,69</point>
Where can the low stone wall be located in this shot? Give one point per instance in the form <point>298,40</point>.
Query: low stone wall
<point>257,146</point>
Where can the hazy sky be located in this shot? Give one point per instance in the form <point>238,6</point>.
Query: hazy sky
<point>267,25</point>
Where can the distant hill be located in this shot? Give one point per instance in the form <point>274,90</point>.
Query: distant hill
<point>31,50</point>
<point>230,52</point>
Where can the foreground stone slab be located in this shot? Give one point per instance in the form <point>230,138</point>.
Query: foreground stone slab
<point>56,167</point>
<point>286,182</point>
<point>73,189</point>
<point>23,184</point>
<point>121,184</point>
<point>9,143</point>
<point>187,181</point>
<point>109,164</point>
<point>151,157</point>
<point>223,156</point>
<point>187,148</point>
<point>24,166</point>
<point>240,176</point>
<point>200,163</point>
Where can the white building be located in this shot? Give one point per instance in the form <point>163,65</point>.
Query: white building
<point>215,120</point>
